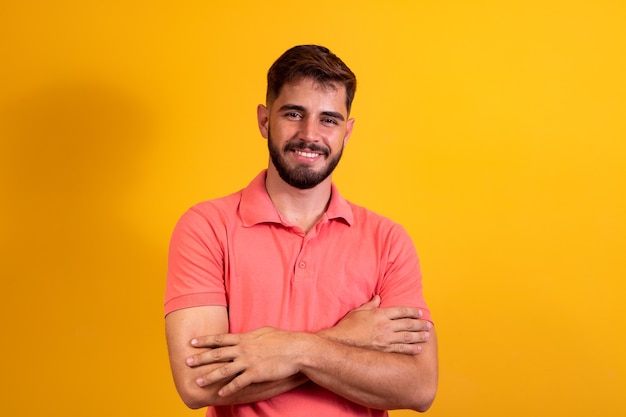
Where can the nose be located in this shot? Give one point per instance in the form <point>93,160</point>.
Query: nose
<point>308,131</point>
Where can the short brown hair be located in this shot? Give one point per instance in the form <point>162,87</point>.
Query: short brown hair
<point>309,61</point>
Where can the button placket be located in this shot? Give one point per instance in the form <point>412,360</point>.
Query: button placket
<point>303,270</point>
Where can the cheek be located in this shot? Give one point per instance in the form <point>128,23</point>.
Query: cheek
<point>282,130</point>
<point>340,140</point>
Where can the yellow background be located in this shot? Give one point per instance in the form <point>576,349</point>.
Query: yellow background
<point>494,131</point>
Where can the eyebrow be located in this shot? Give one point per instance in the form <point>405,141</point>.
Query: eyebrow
<point>299,108</point>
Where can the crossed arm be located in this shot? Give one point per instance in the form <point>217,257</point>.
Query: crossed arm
<point>379,357</point>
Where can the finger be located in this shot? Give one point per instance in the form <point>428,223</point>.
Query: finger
<point>413,337</point>
<point>400,312</point>
<point>211,356</point>
<point>407,338</point>
<point>412,325</point>
<point>215,340</point>
<point>371,304</point>
<point>227,371</point>
<point>406,349</point>
<point>235,385</point>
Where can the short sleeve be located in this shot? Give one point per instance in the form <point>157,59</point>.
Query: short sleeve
<point>402,282</point>
<point>195,273</point>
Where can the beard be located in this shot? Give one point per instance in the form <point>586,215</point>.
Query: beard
<point>301,176</point>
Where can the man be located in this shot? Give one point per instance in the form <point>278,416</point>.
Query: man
<point>284,299</point>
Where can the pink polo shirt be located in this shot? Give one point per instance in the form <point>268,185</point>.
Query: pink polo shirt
<point>238,252</point>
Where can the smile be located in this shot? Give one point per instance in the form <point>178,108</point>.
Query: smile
<point>307,154</point>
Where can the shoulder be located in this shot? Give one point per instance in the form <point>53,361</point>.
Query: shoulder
<point>228,209</point>
<point>365,217</point>
<point>378,225</point>
<point>210,214</point>
<point>226,206</point>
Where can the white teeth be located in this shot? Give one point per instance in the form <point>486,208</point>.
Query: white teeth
<point>307,154</point>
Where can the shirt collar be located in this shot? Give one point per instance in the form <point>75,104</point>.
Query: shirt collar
<point>256,206</point>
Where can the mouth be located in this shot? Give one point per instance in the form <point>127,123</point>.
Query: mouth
<point>305,154</point>
<point>309,151</point>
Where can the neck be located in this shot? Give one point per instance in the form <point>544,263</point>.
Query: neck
<point>302,208</point>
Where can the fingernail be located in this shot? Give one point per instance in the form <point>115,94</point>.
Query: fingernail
<point>200,381</point>
<point>426,335</point>
<point>429,325</point>
<point>194,342</point>
<point>189,361</point>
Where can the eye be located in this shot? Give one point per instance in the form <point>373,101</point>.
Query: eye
<point>329,121</point>
<point>293,115</point>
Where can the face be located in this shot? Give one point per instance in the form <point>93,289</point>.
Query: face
<point>306,127</point>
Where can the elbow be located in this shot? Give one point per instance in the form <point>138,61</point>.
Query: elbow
<point>424,398</point>
<point>192,400</point>
<point>424,405</point>
<point>195,397</point>
<point>194,405</point>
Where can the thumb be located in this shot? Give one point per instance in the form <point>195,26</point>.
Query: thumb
<point>371,304</point>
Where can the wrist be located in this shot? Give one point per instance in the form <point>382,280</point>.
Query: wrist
<point>309,347</point>
<point>329,333</point>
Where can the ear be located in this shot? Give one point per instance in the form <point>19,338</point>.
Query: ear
<point>349,127</point>
<point>263,119</point>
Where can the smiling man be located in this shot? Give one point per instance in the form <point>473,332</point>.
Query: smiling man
<point>290,119</point>
<point>284,299</point>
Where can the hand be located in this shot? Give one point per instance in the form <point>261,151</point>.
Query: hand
<point>389,329</point>
<point>261,355</point>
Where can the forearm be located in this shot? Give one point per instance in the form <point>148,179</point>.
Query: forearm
<point>181,327</point>
<point>372,378</point>
<point>392,365</point>
<point>196,396</point>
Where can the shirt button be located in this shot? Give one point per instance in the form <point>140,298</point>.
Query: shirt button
<point>302,264</point>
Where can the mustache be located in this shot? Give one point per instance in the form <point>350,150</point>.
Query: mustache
<point>302,145</point>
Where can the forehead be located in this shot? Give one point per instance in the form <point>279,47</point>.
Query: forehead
<point>309,91</point>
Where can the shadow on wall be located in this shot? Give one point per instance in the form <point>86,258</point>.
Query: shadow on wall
<point>72,141</point>
<point>69,151</point>
<point>75,272</point>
